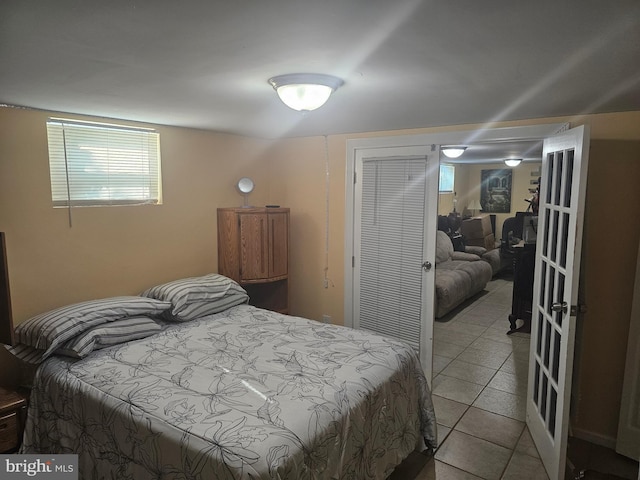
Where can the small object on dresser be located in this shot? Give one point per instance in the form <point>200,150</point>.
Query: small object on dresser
<point>13,409</point>
<point>272,206</point>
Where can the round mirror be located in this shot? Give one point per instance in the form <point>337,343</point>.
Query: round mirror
<point>245,185</point>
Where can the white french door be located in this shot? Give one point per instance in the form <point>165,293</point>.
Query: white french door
<point>393,261</point>
<point>555,294</point>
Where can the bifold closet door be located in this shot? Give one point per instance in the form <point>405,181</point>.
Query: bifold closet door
<point>390,235</point>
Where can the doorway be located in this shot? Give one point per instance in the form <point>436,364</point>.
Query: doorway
<point>480,372</point>
<point>553,302</point>
<point>355,146</point>
<point>381,146</point>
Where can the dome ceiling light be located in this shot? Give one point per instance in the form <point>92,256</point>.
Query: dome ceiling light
<point>305,91</point>
<point>453,151</point>
<point>512,162</point>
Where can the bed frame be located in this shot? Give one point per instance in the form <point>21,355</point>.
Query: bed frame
<point>6,317</point>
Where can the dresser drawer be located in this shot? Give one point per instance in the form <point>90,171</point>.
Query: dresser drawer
<point>9,432</point>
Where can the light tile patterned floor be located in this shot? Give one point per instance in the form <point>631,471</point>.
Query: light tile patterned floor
<point>479,392</point>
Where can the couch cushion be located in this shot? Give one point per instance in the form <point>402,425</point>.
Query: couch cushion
<point>492,257</point>
<point>476,250</point>
<point>458,280</point>
<point>444,247</point>
<point>467,257</point>
<point>451,289</point>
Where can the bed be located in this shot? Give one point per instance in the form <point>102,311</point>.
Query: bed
<point>227,392</point>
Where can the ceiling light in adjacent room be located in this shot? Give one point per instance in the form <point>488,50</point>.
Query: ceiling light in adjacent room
<point>512,162</point>
<point>453,152</point>
<point>305,91</point>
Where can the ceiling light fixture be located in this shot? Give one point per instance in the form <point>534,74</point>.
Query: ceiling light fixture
<point>512,162</point>
<point>453,152</point>
<point>305,91</point>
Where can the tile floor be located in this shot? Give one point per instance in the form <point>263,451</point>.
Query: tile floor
<point>479,393</point>
<point>479,390</point>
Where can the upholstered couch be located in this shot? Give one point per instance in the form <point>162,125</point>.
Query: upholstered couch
<point>492,257</point>
<point>458,276</point>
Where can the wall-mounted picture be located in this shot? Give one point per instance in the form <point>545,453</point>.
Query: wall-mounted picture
<point>496,191</point>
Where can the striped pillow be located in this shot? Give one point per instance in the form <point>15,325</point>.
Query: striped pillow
<point>109,334</point>
<point>196,297</point>
<point>47,331</point>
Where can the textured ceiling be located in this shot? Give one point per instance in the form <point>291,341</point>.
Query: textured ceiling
<point>405,63</point>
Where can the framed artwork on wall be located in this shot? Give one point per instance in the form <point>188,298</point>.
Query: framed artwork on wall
<point>495,196</point>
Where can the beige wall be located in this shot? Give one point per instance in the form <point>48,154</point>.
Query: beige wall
<point>299,183</point>
<point>611,240</point>
<point>121,250</point>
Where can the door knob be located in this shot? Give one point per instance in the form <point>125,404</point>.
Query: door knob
<point>559,307</point>
<point>426,266</point>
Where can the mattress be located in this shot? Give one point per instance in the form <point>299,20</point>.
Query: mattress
<point>244,393</point>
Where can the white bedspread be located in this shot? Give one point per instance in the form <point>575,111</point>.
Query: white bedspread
<point>245,393</point>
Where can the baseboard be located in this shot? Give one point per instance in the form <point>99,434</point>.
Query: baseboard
<point>596,438</point>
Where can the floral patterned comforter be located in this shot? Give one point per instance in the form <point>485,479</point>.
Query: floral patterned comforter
<point>245,393</point>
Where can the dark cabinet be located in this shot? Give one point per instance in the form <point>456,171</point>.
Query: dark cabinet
<point>523,271</point>
<point>13,413</point>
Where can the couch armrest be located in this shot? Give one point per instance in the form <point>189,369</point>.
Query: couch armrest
<point>475,250</point>
<point>468,257</point>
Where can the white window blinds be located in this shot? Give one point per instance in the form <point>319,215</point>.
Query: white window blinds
<point>98,164</point>
<point>391,245</point>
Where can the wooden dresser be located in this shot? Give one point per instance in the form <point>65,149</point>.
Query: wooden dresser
<point>253,250</point>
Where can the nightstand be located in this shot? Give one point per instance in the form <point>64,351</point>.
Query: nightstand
<point>13,413</point>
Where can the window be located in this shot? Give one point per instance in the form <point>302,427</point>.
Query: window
<point>447,176</point>
<point>93,164</point>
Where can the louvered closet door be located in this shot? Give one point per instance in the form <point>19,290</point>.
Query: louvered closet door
<point>391,238</point>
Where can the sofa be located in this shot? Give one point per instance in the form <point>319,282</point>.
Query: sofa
<point>458,275</point>
<point>493,257</point>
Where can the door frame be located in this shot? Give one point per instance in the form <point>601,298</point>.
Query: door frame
<point>432,141</point>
